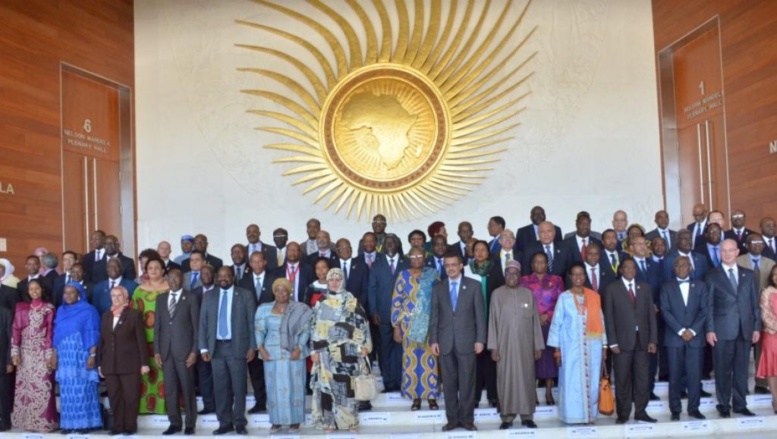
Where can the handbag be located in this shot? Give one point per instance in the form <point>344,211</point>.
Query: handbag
<point>365,384</point>
<point>606,397</point>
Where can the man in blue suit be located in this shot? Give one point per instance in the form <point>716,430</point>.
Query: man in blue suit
<point>436,260</point>
<point>101,293</point>
<point>380,289</point>
<point>684,248</point>
<point>684,307</point>
<point>495,226</point>
<point>733,324</point>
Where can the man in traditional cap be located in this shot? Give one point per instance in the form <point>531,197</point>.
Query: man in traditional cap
<point>187,244</point>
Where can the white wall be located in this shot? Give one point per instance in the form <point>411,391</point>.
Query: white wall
<point>589,138</point>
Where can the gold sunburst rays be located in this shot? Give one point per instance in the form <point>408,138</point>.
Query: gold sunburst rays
<point>406,123</point>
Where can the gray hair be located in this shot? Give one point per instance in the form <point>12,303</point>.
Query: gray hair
<point>50,260</point>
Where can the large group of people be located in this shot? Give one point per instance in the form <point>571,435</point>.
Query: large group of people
<point>507,315</point>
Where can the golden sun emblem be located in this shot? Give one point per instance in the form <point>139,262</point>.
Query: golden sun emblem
<point>407,126</point>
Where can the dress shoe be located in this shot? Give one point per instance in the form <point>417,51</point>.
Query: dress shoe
<point>241,430</point>
<point>65,431</point>
<point>206,412</point>
<point>654,397</point>
<point>645,418</point>
<point>450,426</point>
<point>493,403</point>
<point>416,405</point>
<point>705,394</point>
<point>114,432</point>
<point>433,404</point>
<point>621,421</point>
<point>223,430</point>
<point>365,406</point>
<point>675,417</point>
<point>171,430</point>
<point>129,432</point>
<point>528,423</point>
<point>761,390</point>
<point>188,431</point>
<point>505,425</point>
<point>724,413</point>
<point>469,426</point>
<point>257,409</point>
<point>744,412</point>
<point>696,415</point>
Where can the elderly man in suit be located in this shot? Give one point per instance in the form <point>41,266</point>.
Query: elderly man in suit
<point>630,320</point>
<point>253,233</point>
<point>259,282</point>
<point>558,255</point>
<point>530,233</point>
<point>465,233</point>
<point>226,338</point>
<point>457,333</point>
<point>662,230</point>
<point>380,289</point>
<point>175,350</point>
<point>733,324</point>
<point>684,304</point>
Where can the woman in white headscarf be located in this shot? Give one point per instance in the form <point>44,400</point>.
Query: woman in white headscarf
<point>6,274</point>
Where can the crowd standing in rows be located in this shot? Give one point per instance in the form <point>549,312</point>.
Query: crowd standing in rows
<point>497,315</point>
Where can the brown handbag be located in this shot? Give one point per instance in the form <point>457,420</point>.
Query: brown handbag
<point>606,397</point>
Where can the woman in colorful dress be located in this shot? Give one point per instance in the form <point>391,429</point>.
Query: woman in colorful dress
<point>341,341</point>
<point>282,334</point>
<point>76,335</point>
<point>546,288</point>
<point>34,407</point>
<point>767,365</point>
<point>152,396</point>
<point>577,334</point>
<point>411,309</point>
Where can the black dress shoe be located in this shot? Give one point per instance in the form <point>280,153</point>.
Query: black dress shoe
<point>171,430</point>
<point>65,431</point>
<point>696,415</point>
<point>621,420</point>
<point>223,430</point>
<point>505,425</point>
<point>241,430</point>
<point>257,409</point>
<point>129,432</point>
<point>675,417</point>
<point>188,431</point>
<point>528,423</point>
<point>683,394</point>
<point>206,412</point>
<point>365,406</point>
<point>450,426</point>
<point>705,394</point>
<point>761,390</point>
<point>493,403</point>
<point>645,418</point>
<point>744,412</point>
<point>469,426</point>
<point>724,413</point>
<point>654,397</point>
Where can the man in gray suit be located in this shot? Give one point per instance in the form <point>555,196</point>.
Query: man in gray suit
<point>193,279</point>
<point>733,324</point>
<point>662,231</point>
<point>457,333</point>
<point>175,350</point>
<point>227,339</point>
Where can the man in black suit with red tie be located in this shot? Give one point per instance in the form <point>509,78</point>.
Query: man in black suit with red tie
<point>598,273</point>
<point>577,244</point>
<point>738,232</point>
<point>630,320</point>
<point>684,307</point>
<point>97,241</point>
<point>299,274</point>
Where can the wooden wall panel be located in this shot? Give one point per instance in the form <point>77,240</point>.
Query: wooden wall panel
<point>749,62</point>
<point>36,37</point>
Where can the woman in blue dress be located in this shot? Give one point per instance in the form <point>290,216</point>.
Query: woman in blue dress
<point>76,333</point>
<point>282,333</point>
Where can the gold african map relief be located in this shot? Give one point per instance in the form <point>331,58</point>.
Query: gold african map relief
<point>403,124</point>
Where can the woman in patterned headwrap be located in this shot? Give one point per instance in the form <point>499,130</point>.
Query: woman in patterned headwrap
<point>340,341</point>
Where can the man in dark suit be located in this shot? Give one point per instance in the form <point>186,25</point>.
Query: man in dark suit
<point>611,253</point>
<point>582,214</point>
<point>368,251</point>
<point>201,244</point>
<point>280,237</point>
<point>577,244</point>
<point>239,265</point>
<point>684,247</point>
<point>165,250</point>
<point>97,241</point>
<point>6,368</point>
<point>76,275</point>
<point>630,319</point>
<point>495,226</point>
<point>620,223</point>
<point>32,265</point>
<point>259,282</point>
<point>205,369</point>
<point>465,233</point>
<point>69,258</point>
<point>530,233</point>
<point>733,324</point>
<point>738,231</point>
<point>379,224</point>
<point>112,251</point>
<point>9,297</point>
<point>101,292</point>
<point>300,275</point>
<point>253,233</point>
<point>699,225</point>
<point>437,259</point>
<point>226,337</point>
<point>457,333</point>
<point>380,289</point>
<point>684,307</point>
<point>324,244</point>
<point>175,350</point>
<point>355,271</point>
<point>714,217</point>
<point>193,278</point>
<point>662,230</point>
<point>558,255</point>
<point>598,274</point>
<point>710,247</point>
<point>768,230</point>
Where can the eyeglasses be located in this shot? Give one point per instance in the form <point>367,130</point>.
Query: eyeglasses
<point>280,236</point>
<point>379,222</point>
<point>754,242</point>
<point>416,257</point>
<point>739,215</point>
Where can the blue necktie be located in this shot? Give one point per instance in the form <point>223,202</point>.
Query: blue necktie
<point>454,296</point>
<point>195,275</point>
<point>732,278</point>
<point>223,328</point>
<point>716,259</point>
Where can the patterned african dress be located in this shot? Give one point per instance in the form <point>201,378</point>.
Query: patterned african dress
<point>340,330</point>
<point>285,378</point>
<point>546,292</point>
<point>152,390</point>
<point>410,310</point>
<point>34,408</point>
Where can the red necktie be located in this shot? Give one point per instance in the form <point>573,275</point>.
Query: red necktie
<point>632,296</point>
<point>392,266</point>
<point>594,280</point>
<point>582,250</point>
